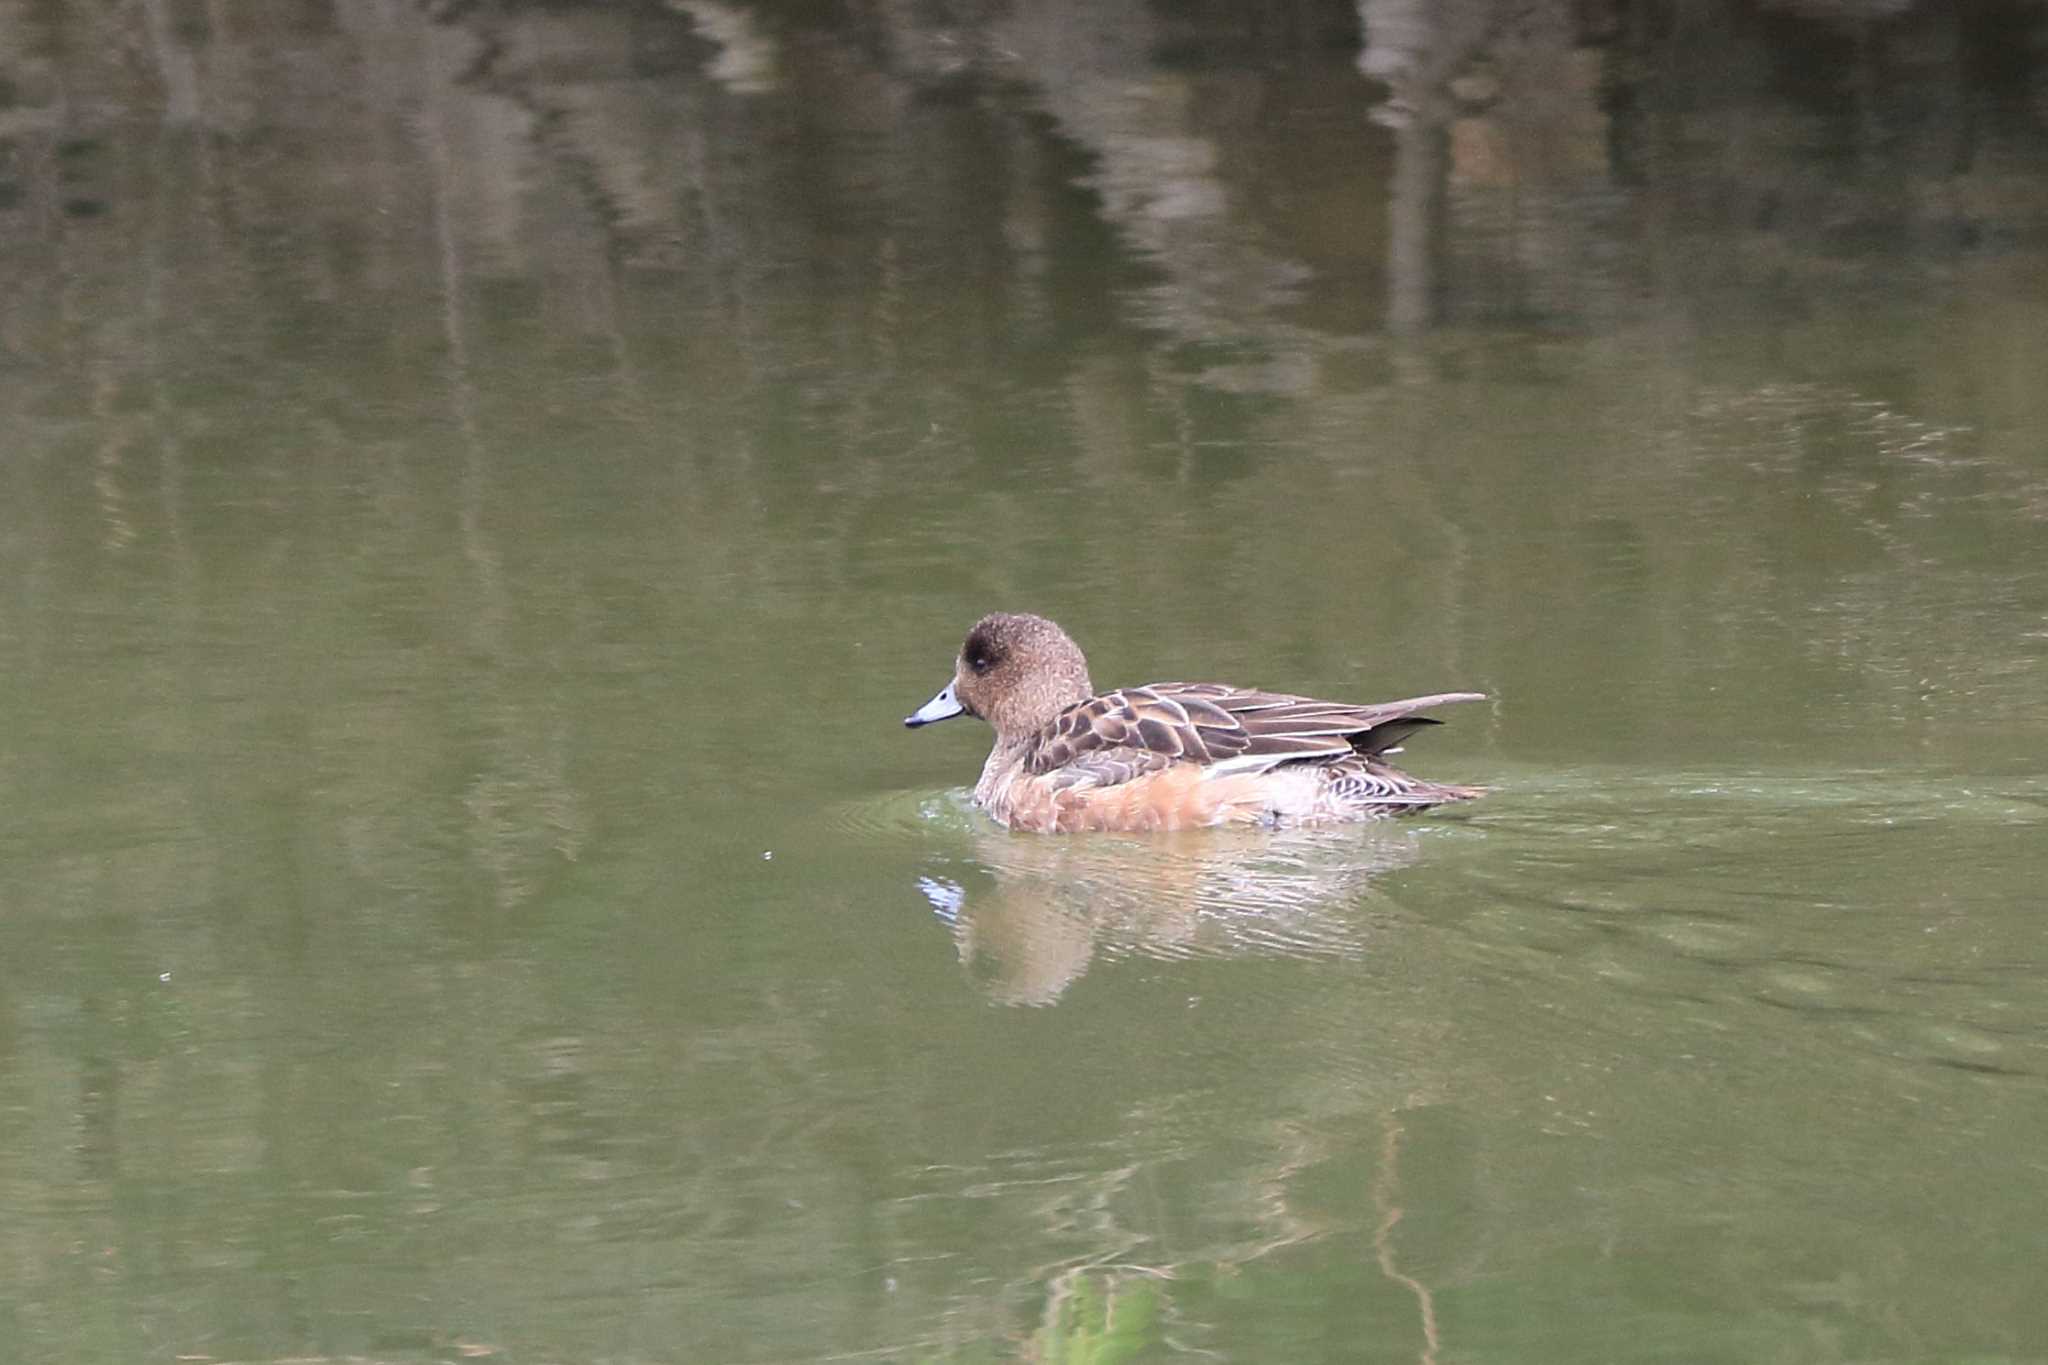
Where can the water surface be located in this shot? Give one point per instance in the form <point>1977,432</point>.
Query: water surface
<point>481,488</point>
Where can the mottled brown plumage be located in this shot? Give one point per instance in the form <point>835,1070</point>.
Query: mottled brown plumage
<point>1169,755</point>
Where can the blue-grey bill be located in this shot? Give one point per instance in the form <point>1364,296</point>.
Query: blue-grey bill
<point>945,706</point>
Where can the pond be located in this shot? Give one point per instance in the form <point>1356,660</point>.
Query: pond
<point>482,486</point>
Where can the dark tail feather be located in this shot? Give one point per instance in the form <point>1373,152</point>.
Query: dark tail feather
<point>1387,737</point>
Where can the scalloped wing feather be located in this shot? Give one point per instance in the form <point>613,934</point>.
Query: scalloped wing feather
<point>1107,768</point>
<point>1222,728</point>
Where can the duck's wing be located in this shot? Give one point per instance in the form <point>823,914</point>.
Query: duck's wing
<point>1229,729</point>
<point>1107,767</point>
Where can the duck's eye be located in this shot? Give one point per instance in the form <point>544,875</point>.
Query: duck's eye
<point>980,653</point>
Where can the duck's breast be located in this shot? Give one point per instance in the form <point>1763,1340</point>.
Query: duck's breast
<point>1183,796</point>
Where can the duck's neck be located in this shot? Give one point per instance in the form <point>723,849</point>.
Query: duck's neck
<point>1005,765</point>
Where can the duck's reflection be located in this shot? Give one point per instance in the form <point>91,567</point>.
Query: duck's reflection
<point>1030,912</point>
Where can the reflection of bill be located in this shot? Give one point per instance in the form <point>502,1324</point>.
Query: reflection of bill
<point>1029,914</point>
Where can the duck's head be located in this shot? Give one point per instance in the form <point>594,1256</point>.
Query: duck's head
<point>1016,672</point>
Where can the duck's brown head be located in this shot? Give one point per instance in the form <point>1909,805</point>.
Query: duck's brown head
<point>1016,672</point>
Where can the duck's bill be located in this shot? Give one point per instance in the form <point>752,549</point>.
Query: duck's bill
<point>945,706</point>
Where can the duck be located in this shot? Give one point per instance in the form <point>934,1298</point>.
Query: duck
<point>1172,755</point>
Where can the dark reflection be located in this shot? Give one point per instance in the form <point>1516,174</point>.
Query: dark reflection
<point>1029,913</point>
<point>1006,190</point>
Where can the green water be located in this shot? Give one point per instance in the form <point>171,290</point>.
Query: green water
<point>478,494</point>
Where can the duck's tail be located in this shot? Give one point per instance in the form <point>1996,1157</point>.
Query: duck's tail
<point>1387,735</point>
<point>1375,787</point>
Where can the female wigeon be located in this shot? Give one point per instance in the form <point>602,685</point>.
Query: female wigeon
<point>1169,755</point>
